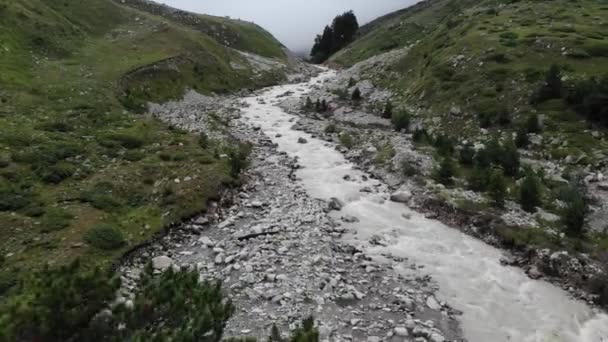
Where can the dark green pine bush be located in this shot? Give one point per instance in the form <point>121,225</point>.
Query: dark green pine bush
<point>105,237</point>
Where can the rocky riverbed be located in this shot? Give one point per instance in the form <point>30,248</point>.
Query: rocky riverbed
<point>311,233</point>
<point>280,257</point>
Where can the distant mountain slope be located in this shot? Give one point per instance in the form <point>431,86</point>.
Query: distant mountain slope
<point>73,153</point>
<point>238,34</point>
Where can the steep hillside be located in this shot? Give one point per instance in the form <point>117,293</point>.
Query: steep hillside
<point>75,159</point>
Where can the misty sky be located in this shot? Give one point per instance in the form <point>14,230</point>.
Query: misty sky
<point>294,22</point>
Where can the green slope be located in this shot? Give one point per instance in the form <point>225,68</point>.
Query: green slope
<point>483,55</point>
<point>73,153</point>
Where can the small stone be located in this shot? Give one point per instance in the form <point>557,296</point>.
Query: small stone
<point>432,303</point>
<point>302,141</point>
<point>350,219</point>
<point>401,332</point>
<point>335,204</point>
<point>435,337</point>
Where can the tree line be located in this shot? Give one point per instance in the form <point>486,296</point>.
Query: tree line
<point>341,32</point>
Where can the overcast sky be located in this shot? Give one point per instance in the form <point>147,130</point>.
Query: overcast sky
<point>294,22</point>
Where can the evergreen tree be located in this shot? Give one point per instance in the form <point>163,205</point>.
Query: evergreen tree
<point>533,124</point>
<point>521,139</point>
<point>478,179</point>
<point>324,106</point>
<point>497,188</point>
<point>356,96</point>
<point>388,110</point>
<point>574,212</point>
<point>509,159</point>
<point>342,31</point>
<point>401,120</point>
<point>308,105</point>
<point>467,154</point>
<point>446,171</point>
<point>351,82</point>
<point>552,88</point>
<point>318,106</point>
<point>529,193</point>
<point>482,159</point>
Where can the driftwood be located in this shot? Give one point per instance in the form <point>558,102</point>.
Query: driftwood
<point>254,235</point>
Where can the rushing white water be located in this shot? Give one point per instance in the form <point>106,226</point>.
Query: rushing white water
<point>498,303</point>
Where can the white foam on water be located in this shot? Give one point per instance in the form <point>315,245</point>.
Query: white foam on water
<point>498,303</point>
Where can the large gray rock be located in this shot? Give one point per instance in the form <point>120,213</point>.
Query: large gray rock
<point>162,262</point>
<point>402,196</point>
<point>603,186</point>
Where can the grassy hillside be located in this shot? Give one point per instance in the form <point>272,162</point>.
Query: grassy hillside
<point>238,34</point>
<point>483,56</point>
<point>73,154</point>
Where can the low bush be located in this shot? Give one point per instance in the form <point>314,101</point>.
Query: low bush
<point>575,210</point>
<point>467,154</point>
<point>444,145</point>
<point>478,179</point>
<point>446,171</point>
<point>530,193</point>
<point>238,159</point>
<point>347,140</point>
<point>497,188</point>
<point>105,237</point>
<point>331,129</point>
<point>401,120</point>
<point>56,219</point>
<point>126,140</point>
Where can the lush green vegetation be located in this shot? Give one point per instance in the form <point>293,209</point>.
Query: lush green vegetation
<point>71,303</point>
<point>81,174</point>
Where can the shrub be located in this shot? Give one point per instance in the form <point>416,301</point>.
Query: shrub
<point>387,113</point>
<point>346,140</point>
<point>521,139</point>
<point>533,124</point>
<point>482,159</point>
<point>238,159</point>
<point>102,196</point>
<point>56,219</point>
<point>510,159</point>
<point>104,237</point>
<point>444,145</point>
<point>126,140</point>
<point>308,106</point>
<point>420,135</point>
<point>55,304</point>
<point>497,188</point>
<point>490,112</point>
<point>356,96</point>
<point>478,179</point>
<point>203,140</point>
<point>467,154</point>
<point>529,193</point>
<point>55,174</point>
<point>446,171</point>
<point>401,120</point>
<point>331,128</point>
<point>552,87</point>
<point>14,196</point>
<point>574,212</point>
<point>134,155</point>
<point>408,169</point>
<point>188,309</point>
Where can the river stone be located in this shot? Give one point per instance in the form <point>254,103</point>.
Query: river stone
<point>603,186</point>
<point>401,332</point>
<point>401,196</point>
<point>335,204</point>
<point>302,141</point>
<point>162,262</point>
<point>432,303</point>
<point>435,337</point>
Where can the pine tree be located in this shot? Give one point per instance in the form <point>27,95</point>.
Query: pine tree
<point>529,193</point>
<point>478,179</point>
<point>446,171</point>
<point>356,96</point>
<point>388,110</point>
<point>521,139</point>
<point>318,106</point>
<point>497,188</point>
<point>324,106</point>
<point>574,212</point>
<point>510,159</point>
<point>401,120</point>
<point>533,124</point>
<point>308,105</point>
<point>467,154</point>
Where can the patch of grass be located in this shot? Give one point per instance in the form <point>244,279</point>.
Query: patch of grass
<point>105,237</point>
<point>56,219</point>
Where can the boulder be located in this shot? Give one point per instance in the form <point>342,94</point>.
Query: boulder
<point>335,204</point>
<point>302,141</point>
<point>401,196</point>
<point>603,186</point>
<point>162,262</point>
